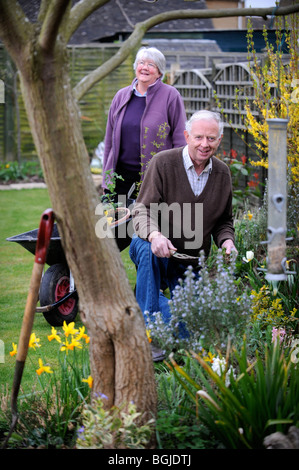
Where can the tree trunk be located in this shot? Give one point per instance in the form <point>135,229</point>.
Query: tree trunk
<point>120,354</point>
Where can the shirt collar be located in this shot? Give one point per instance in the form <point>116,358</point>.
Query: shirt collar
<point>189,164</point>
<point>136,91</point>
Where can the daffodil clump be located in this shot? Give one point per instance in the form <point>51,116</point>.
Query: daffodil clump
<point>63,386</point>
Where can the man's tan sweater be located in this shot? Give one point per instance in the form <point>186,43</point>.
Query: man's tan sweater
<point>187,220</point>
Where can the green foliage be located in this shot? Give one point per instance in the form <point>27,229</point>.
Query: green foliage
<point>250,230</point>
<point>109,197</point>
<point>240,169</point>
<point>175,431</point>
<point>242,404</point>
<point>176,426</point>
<point>14,171</point>
<point>116,428</point>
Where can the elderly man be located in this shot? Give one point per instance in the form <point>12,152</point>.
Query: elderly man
<point>185,199</point>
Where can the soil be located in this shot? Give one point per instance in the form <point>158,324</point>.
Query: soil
<point>29,179</point>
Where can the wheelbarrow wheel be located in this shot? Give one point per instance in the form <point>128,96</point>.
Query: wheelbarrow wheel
<point>54,286</point>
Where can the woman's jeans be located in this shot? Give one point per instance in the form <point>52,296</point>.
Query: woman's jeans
<point>154,274</point>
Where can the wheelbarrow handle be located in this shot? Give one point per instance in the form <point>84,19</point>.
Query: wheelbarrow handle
<point>44,236</point>
<point>43,240</point>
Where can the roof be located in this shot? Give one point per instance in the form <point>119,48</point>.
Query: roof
<point>117,17</point>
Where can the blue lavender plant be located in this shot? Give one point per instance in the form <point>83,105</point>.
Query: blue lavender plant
<point>205,310</point>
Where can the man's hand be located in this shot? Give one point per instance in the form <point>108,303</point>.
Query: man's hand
<point>160,245</point>
<point>229,246</point>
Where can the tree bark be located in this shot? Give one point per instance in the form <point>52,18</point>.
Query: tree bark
<point>120,354</point>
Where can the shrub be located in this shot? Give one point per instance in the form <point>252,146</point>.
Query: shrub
<point>205,311</point>
<point>14,171</point>
<point>116,428</point>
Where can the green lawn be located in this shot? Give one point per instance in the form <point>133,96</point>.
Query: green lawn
<point>20,212</point>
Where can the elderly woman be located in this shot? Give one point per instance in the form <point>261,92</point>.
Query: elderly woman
<point>144,118</point>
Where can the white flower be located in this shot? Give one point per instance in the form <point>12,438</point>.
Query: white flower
<point>218,366</point>
<point>249,256</point>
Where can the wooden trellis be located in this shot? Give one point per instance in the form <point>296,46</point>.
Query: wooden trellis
<point>195,89</point>
<point>233,86</point>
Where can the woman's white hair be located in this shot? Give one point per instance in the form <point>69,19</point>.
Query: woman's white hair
<point>152,54</point>
<point>208,115</point>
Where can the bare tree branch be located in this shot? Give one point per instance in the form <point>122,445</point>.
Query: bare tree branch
<point>124,13</point>
<point>140,29</point>
<point>15,28</point>
<point>79,13</point>
<point>53,19</point>
<point>44,5</point>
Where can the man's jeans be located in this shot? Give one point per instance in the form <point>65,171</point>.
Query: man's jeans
<point>153,274</point>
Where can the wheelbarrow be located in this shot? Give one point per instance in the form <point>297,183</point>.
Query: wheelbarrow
<point>58,296</point>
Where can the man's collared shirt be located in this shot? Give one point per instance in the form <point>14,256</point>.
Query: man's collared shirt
<point>197,182</point>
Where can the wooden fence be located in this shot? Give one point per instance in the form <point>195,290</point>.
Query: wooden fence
<point>16,141</point>
<point>198,89</point>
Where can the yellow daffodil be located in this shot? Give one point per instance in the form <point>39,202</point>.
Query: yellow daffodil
<point>89,380</point>
<point>75,344</point>
<point>293,312</point>
<point>65,347</point>
<point>148,334</point>
<point>209,357</point>
<point>109,219</point>
<point>69,329</point>
<point>14,350</point>
<point>34,341</point>
<point>54,335</point>
<point>249,215</point>
<point>70,346</point>
<point>82,334</point>
<point>43,368</point>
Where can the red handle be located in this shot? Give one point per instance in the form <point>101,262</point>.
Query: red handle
<point>44,236</point>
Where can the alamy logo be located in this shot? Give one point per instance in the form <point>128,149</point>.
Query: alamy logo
<point>174,220</point>
<point>2,92</point>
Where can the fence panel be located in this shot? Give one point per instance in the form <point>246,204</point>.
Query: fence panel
<point>195,90</point>
<point>233,86</point>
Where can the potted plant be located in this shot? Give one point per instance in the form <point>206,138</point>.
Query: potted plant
<point>114,211</point>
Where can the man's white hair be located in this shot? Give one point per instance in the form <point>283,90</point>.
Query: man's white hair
<point>208,115</point>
